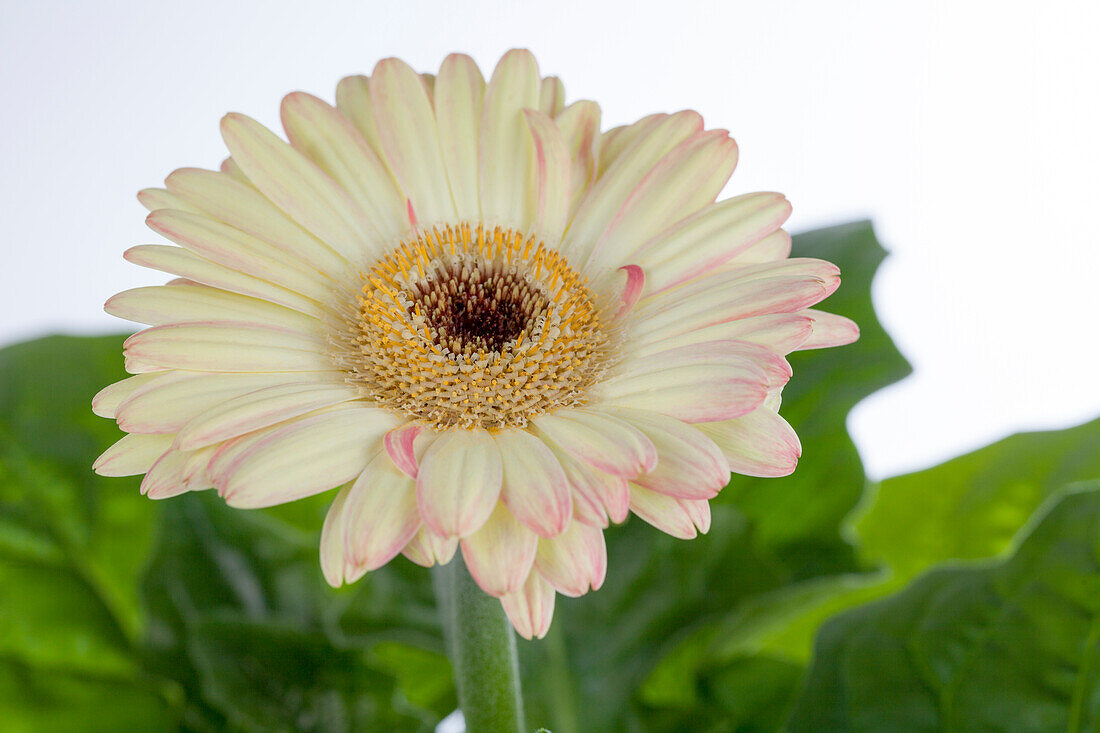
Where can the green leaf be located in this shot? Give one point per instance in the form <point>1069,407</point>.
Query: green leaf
<point>34,699</point>
<point>967,508</point>
<point>48,438</point>
<point>242,619</point>
<point>1012,646</point>
<point>72,547</point>
<point>639,653</point>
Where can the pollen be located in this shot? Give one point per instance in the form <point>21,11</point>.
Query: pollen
<point>464,326</point>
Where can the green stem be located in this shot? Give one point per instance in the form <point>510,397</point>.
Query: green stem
<point>482,648</point>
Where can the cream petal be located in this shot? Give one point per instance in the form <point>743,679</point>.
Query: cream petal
<point>630,288</point>
<point>131,455</point>
<point>829,330</point>
<point>230,168</point>
<point>332,540</point>
<point>401,446</point>
<point>307,456</point>
<point>730,303</point>
<point>534,486</point>
<point>228,347</point>
<point>380,516</point>
<point>574,561</point>
<point>772,248</point>
<point>671,515</point>
<point>685,180</point>
<point>459,482</point>
<point>500,554</point>
<point>600,441</point>
<point>160,305</point>
<point>332,142</point>
<point>108,399</point>
<point>164,479</point>
<point>410,142</point>
<point>612,190</point>
<point>427,548</point>
<point>598,498</point>
<point>553,176</point>
<point>690,392</point>
<point>353,101</point>
<point>506,152</point>
<point>301,189</point>
<point>710,238</point>
<point>689,464</point>
<point>179,261</point>
<point>241,206</point>
<point>781,333</point>
<point>737,355</point>
<point>758,444</point>
<point>551,96</point>
<point>222,244</point>
<point>532,608</point>
<point>158,198</point>
<point>617,140</point>
<point>580,126</point>
<point>167,404</point>
<point>459,95</point>
<point>259,409</point>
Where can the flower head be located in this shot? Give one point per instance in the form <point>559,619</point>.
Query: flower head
<point>491,325</point>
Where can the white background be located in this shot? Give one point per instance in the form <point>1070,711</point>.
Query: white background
<point>969,132</point>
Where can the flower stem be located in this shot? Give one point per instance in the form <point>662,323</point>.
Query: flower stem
<point>482,647</point>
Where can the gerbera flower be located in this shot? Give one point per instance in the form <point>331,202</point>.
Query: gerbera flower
<point>492,325</point>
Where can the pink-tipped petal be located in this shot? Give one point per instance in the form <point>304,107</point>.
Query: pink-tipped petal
<point>332,540</point>
<point>772,248</point>
<point>580,126</point>
<point>133,454</point>
<point>531,608</point>
<point>427,548</point>
<point>332,142</point>
<point>671,515</point>
<point>459,94</point>
<point>689,465</point>
<point>759,444</point>
<point>598,498</point>
<point>646,143</point>
<point>711,238</point>
<point>459,482</point>
<point>694,393</point>
<point>685,180</point>
<point>164,479</point>
<point>534,489</point>
<point>399,444</point>
<point>260,409</point>
<point>551,96</point>
<point>600,441</point>
<point>297,186</point>
<point>574,561</point>
<point>631,290</point>
<point>407,131</point>
<point>305,457</point>
<point>380,515</point>
<point>107,400</point>
<point>500,554</point>
<point>829,330</point>
<point>506,151</point>
<point>553,176</point>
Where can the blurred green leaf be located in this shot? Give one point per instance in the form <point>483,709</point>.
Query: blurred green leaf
<point>1012,646</point>
<point>241,617</point>
<point>72,548</point>
<point>967,508</point>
